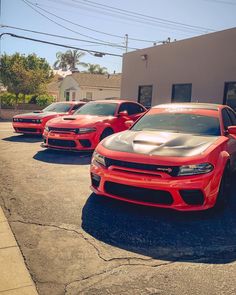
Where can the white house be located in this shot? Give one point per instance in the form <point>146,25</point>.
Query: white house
<point>86,86</point>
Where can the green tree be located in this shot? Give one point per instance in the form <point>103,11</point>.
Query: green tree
<point>69,60</point>
<point>96,69</point>
<point>24,74</point>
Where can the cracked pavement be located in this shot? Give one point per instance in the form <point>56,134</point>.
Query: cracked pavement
<point>75,242</point>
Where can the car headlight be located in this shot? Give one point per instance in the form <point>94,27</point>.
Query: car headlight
<point>98,158</point>
<point>15,120</point>
<point>86,130</point>
<point>46,128</point>
<point>202,168</point>
<point>38,121</point>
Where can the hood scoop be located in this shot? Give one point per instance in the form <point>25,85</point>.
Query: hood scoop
<point>69,119</point>
<point>37,112</point>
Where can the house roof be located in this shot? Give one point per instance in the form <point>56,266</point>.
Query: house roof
<point>96,80</point>
<point>54,85</point>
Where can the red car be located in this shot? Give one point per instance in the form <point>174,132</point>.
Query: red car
<point>34,123</point>
<point>90,124</point>
<point>176,156</point>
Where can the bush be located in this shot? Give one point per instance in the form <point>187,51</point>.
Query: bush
<point>8,99</point>
<point>44,100</point>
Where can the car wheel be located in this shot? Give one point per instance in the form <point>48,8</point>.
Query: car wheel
<point>224,190</point>
<point>106,133</point>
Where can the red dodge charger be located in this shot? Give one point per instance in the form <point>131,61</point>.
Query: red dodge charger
<point>176,156</point>
<point>33,123</point>
<point>90,124</point>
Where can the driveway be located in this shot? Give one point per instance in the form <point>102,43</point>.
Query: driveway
<point>75,242</point>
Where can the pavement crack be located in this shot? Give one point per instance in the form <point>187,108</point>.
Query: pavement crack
<point>5,206</point>
<point>124,259</point>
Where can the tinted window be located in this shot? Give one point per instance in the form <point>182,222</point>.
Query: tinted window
<point>97,109</point>
<point>226,119</point>
<point>179,122</point>
<point>232,117</point>
<point>124,107</point>
<point>76,107</point>
<point>230,94</point>
<point>181,92</point>
<point>58,108</point>
<point>145,95</point>
<point>135,109</point>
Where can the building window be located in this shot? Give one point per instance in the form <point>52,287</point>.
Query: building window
<point>89,95</point>
<point>145,95</point>
<point>67,95</point>
<point>230,94</point>
<point>181,92</point>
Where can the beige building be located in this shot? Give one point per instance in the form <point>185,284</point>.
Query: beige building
<point>199,69</point>
<point>85,86</point>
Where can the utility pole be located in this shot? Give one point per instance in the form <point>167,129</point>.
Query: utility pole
<point>126,42</point>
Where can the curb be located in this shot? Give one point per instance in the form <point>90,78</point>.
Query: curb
<point>14,275</point>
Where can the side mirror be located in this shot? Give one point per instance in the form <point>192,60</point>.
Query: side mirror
<point>232,130</point>
<point>123,114</point>
<point>129,123</point>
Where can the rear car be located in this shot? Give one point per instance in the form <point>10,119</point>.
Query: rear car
<point>34,122</point>
<point>90,124</point>
<point>177,156</point>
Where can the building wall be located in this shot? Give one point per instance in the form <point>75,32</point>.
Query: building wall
<point>80,91</point>
<point>206,61</point>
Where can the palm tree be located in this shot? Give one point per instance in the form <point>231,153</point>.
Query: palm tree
<point>96,69</point>
<point>69,60</point>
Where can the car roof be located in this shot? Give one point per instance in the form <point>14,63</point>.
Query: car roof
<point>71,102</point>
<point>118,101</point>
<point>190,105</point>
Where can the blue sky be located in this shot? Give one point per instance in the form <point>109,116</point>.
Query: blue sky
<point>209,14</point>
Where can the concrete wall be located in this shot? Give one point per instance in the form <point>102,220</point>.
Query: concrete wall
<point>206,61</point>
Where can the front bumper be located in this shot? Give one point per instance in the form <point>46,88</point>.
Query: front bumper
<point>187,193</point>
<point>70,141</point>
<point>28,128</point>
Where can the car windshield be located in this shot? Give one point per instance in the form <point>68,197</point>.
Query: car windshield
<point>97,109</point>
<point>58,108</point>
<point>180,123</point>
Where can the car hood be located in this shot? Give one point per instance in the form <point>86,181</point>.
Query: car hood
<point>36,115</point>
<point>159,143</point>
<point>76,120</point>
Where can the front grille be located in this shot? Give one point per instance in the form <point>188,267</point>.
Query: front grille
<point>171,170</point>
<point>85,143</point>
<point>27,129</point>
<point>96,179</point>
<point>138,194</point>
<point>61,142</point>
<point>35,121</point>
<point>192,197</point>
<point>61,130</point>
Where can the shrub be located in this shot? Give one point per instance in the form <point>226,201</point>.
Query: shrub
<point>44,100</point>
<point>8,99</point>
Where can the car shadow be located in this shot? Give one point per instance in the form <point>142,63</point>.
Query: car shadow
<point>24,138</point>
<point>63,157</point>
<point>204,237</point>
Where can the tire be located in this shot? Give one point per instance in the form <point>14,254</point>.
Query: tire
<point>224,190</point>
<point>106,133</point>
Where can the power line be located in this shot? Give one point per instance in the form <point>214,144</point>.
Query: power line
<point>93,30</point>
<point>129,12</point>
<point>105,43</point>
<point>54,35</point>
<point>96,53</point>
<point>132,17</point>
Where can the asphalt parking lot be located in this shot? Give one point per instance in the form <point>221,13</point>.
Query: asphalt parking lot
<point>75,242</point>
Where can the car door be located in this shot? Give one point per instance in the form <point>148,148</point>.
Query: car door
<point>121,117</point>
<point>229,119</point>
<point>135,111</point>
